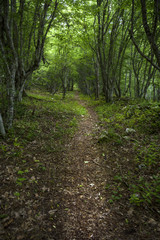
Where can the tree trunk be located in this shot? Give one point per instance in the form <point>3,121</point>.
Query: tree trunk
<point>64,85</point>
<point>11,99</point>
<point>18,59</point>
<point>21,91</point>
<point>129,84</point>
<point>158,94</point>
<point>2,129</point>
<point>150,35</point>
<point>96,67</point>
<point>72,84</point>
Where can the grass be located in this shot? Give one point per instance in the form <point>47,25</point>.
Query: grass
<point>40,113</point>
<point>46,121</point>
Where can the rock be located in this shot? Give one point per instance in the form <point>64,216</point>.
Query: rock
<point>22,212</point>
<point>130,212</point>
<point>142,166</point>
<point>52,212</point>
<point>92,184</point>
<point>152,222</point>
<point>130,130</point>
<point>17,215</point>
<point>126,138</point>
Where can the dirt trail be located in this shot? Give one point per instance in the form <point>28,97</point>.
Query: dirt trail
<point>84,180</point>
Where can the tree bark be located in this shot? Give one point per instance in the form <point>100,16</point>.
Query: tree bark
<point>150,35</point>
<point>2,129</point>
<point>22,54</point>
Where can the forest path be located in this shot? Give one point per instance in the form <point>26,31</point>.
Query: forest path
<point>84,179</point>
<point>61,188</point>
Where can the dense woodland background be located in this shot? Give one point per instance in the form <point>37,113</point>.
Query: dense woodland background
<point>67,66</point>
<point>109,48</point>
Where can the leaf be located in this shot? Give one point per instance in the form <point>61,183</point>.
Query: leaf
<point>17,194</point>
<point>2,216</point>
<point>37,161</point>
<point>21,179</point>
<point>20,172</point>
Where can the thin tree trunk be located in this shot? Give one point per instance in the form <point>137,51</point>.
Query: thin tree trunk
<point>96,68</point>
<point>11,100</point>
<point>158,94</point>
<point>149,34</point>
<point>2,129</point>
<point>130,82</point>
<point>154,93</point>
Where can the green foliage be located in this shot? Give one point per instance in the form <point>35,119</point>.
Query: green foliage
<point>20,181</point>
<point>147,187</point>
<point>73,122</point>
<point>110,136</point>
<point>17,148</point>
<point>17,194</point>
<point>146,191</point>
<point>2,216</point>
<point>28,129</point>
<point>31,123</point>
<point>142,179</point>
<point>116,192</point>
<point>149,155</point>
<point>145,116</point>
<point>142,190</point>
<point>41,116</point>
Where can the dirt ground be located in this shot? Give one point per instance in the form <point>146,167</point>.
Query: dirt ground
<point>69,200</point>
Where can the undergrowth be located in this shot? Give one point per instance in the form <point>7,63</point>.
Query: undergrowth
<point>130,134</point>
<point>41,113</point>
<point>42,120</point>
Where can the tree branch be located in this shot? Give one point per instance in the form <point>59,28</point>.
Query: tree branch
<point>134,41</point>
<point>148,32</point>
<point>141,53</point>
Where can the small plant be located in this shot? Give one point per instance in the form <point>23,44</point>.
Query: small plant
<point>73,122</point>
<point>40,165</point>
<point>20,181</point>
<point>3,148</point>
<point>116,195</point>
<point>118,178</point>
<point>149,155</point>
<point>110,136</point>
<point>17,194</point>
<point>146,191</point>
<point>20,172</point>
<point>135,198</point>
<point>16,143</point>
<point>2,216</point>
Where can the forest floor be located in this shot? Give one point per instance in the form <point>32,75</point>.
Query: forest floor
<point>63,195</point>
